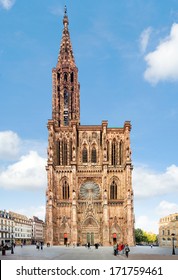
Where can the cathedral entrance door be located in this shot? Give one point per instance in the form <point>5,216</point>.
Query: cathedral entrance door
<point>90,231</point>
<point>90,238</point>
<point>65,239</point>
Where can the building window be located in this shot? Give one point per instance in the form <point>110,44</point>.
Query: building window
<point>114,153</point>
<point>85,155</point>
<point>70,150</point>
<point>66,99</point>
<point>65,190</point>
<point>72,77</point>
<point>107,150</point>
<point>120,153</point>
<point>65,77</point>
<point>113,190</point>
<point>93,155</point>
<point>64,152</point>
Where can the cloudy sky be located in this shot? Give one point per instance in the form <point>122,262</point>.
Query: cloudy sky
<point>127,56</point>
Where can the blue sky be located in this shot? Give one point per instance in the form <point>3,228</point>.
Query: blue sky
<point>127,56</point>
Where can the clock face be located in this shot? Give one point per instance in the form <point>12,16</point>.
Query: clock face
<point>89,190</point>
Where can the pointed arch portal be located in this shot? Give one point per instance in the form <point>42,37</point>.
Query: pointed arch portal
<point>90,231</point>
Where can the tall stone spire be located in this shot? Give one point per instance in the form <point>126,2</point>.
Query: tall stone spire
<point>66,88</point>
<point>65,56</point>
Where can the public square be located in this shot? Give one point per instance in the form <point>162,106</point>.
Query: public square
<point>29,252</point>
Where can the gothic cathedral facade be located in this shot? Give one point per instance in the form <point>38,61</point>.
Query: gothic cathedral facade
<point>89,196</point>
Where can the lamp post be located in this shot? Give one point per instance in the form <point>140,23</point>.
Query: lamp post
<point>173,247</point>
<point>12,243</point>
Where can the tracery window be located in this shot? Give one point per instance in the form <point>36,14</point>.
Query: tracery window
<point>107,150</point>
<point>72,77</point>
<point>64,152</point>
<point>113,190</point>
<point>120,153</point>
<point>65,190</point>
<point>114,153</point>
<point>70,150</point>
<point>85,155</point>
<point>65,77</point>
<point>93,155</point>
<point>66,99</point>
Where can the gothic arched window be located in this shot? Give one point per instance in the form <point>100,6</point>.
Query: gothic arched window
<point>66,99</point>
<point>65,190</point>
<point>72,77</point>
<point>120,153</point>
<point>85,155</point>
<point>65,77</point>
<point>93,155</point>
<point>114,153</point>
<point>64,152</point>
<point>113,190</point>
<point>107,150</point>
<point>70,156</point>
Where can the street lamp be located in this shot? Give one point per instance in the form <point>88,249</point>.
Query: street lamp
<point>173,247</point>
<point>12,243</point>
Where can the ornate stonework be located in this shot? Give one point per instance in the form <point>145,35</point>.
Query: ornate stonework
<point>89,197</point>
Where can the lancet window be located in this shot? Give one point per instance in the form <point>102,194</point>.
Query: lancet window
<point>85,155</point>
<point>113,190</point>
<point>65,190</point>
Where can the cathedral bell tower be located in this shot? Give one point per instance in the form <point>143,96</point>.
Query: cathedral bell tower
<point>66,89</point>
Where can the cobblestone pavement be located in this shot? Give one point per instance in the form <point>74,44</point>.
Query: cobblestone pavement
<point>82,253</point>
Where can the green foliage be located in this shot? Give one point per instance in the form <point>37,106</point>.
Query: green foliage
<point>143,236</point>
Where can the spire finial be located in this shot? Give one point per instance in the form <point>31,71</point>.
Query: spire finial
<point>65,20</point>
<point>65,10</point>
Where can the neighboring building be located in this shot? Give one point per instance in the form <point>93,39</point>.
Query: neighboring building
<point>168,229</point>
<point>6,228</point>
<point>89,167</point>
<point>22,230</point>
<point>37,230</point>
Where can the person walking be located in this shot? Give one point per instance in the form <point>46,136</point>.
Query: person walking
<point>115,249</point>
<point>127,250</point>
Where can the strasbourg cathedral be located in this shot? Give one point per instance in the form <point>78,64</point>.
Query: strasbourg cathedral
<point>89,196</point>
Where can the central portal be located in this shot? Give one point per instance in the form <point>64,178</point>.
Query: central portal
<point>90,238</point>
<point>90,231</point>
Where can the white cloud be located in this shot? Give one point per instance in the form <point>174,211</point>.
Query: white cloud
<point>7,4</point>
<point>147,183</point>
<point>147,224</point>
<point>38,211</point>
<point>166,208</point>
<point>144,39</point>
<point>162,64</point>
<point>9,145</point>
<point>28,173</point>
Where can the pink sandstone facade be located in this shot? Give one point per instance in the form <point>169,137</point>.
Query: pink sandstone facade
<point>89,196</point>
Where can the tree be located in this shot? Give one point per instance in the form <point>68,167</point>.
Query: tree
<point>143,236</point>
<point>139,236</point>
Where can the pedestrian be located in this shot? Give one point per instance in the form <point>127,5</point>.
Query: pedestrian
<point>21,244</point>
<point>127,250</point>
<point>41,245</point>
<point>115,249</point>
<point>88,245</point>
<point>123,247</point>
